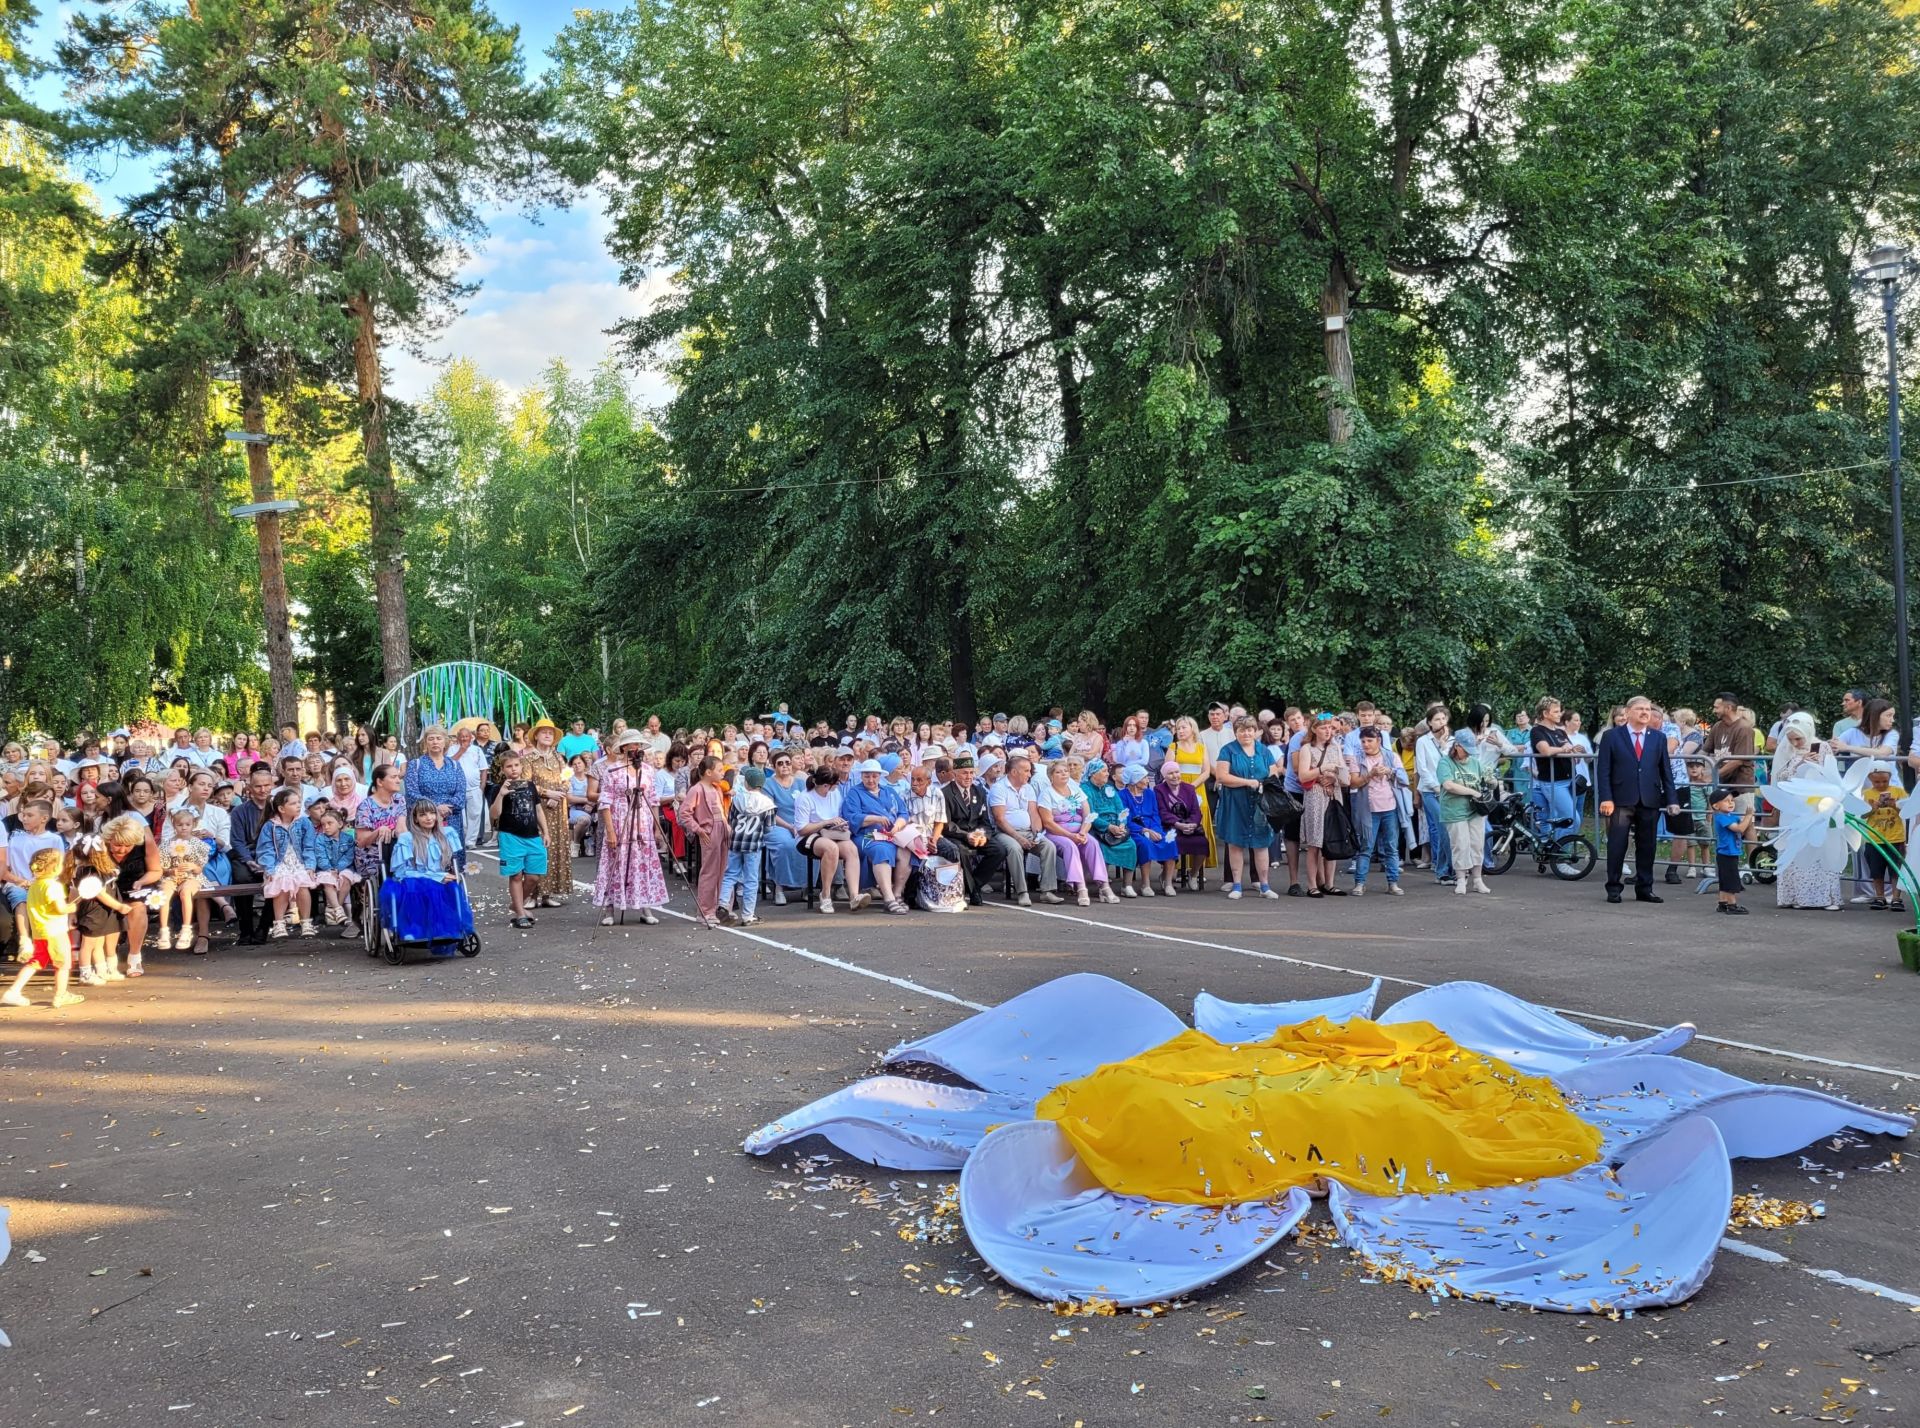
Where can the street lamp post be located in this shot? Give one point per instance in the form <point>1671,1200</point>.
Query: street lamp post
<point>1886,265</point>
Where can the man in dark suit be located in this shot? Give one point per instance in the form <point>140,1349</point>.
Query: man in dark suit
<point>1634,778</point>
<point>971,828</point>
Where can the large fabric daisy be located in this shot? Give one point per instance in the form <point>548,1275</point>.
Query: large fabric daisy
<point>1468,1141</point>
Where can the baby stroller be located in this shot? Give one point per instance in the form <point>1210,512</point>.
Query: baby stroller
<point>414,916</point>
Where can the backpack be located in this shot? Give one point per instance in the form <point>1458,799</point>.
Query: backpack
<point>1336,833</point>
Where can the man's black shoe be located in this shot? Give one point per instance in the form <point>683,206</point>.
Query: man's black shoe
<point>1613,897</point>
<point>1673,875</point>
<point>1294,890</point>
<point>1648,897</point>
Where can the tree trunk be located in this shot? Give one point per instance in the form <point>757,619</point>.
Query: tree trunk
<point>1334,317</point>
<point>283,696</point>
<point>387,531</point>
<point>960,657</point>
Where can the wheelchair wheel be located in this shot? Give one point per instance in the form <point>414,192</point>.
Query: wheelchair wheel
<point>370,929</point>
<point>1571,858</point>
<point>1763,861</point>
<point>391,948</point>
<point>470,945</point>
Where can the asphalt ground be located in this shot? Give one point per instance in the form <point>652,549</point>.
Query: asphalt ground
<point>291,1184</point>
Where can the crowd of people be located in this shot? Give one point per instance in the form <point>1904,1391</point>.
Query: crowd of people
<point>155,839</point>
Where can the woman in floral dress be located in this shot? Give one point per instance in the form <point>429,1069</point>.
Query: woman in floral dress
<point>629,875</point>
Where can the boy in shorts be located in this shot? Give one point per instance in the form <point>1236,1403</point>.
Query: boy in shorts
<point>522,844</point>
<point>1729,828</point>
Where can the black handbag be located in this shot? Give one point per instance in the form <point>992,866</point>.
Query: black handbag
<point>1336,833</point>
<point>1279,805</point>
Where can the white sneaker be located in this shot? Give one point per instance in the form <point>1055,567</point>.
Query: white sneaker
<point>14,999</point>
<point>184,942</point>
<point>1172,891</point>
<point>1024,900</point>
<point>1147,891</point>
<point>1129,891</point>
<point>1270,894</point>
<point>306,927</point>
<point>1859,897</point>
<point>1393,890</point>
<point>1233,894</point>
<point>1359,889</point>
<point>646,916</point>
<point>277,932</point>
<point>1460,888</point>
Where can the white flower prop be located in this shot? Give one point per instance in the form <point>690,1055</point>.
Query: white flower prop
<point>1046,1225</point>
<point>1814,809</point>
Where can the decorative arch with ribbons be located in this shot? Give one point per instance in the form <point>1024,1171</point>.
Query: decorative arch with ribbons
<point>447,693</point>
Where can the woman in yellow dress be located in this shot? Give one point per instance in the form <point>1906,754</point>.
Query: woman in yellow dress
<point>553,777</point>
<point>1191,755</point>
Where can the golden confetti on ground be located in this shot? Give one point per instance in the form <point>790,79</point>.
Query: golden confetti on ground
<point>940,1225</point>
<point>1766,1213</point>
<point>1084,1308</point>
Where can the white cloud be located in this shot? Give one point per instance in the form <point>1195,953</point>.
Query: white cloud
<point>550,291</point>
<point>515,335</point>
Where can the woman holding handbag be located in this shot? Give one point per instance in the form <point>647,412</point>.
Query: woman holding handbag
<point>1321,767</point>
<point>1239,771</point>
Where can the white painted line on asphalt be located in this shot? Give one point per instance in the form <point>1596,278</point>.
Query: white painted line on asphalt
<point>1832,1276</point>
<point>1409,982</point>
<point>827,961</point>
<point>808,953</point>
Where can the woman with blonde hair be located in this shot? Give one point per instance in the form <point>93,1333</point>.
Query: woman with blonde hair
<point>1191,755</point>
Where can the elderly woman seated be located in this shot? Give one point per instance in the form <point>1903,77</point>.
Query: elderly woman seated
<point>872,809</point>
<point>1151,840</point>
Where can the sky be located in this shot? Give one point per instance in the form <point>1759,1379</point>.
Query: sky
<point>548,288</point>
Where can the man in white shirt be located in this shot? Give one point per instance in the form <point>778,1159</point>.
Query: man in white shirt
<point>1216,736</point>
<point>1012,803</point>
<point>1427,754</point>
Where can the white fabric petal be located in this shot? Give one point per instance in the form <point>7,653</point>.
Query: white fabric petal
<point>1635,1099</point>
<point>1057,1032</point>
<point>1638,1237</point>
<point>897,1122</point>
<point>1524,1035</point>
<point>1239,1022</point>
<point>1047,1226</point>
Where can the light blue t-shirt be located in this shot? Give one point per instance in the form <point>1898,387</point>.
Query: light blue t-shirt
<point>578,744</point>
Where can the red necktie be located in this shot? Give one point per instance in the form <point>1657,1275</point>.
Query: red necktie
<point>1636,745</point>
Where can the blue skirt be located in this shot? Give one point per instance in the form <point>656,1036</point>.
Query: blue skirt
<point>784,857</point>
<point>425,909</point>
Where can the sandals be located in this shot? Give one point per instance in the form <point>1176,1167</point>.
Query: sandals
<point>897,907</point>
<point>523,921</point>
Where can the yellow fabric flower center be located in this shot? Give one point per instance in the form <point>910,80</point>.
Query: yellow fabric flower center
<point>1387,1109</point>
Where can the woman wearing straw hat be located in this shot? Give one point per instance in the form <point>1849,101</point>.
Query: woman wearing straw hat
<point>553,777</point>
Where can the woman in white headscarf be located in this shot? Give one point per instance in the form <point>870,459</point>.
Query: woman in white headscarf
<point>1802,755</point>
